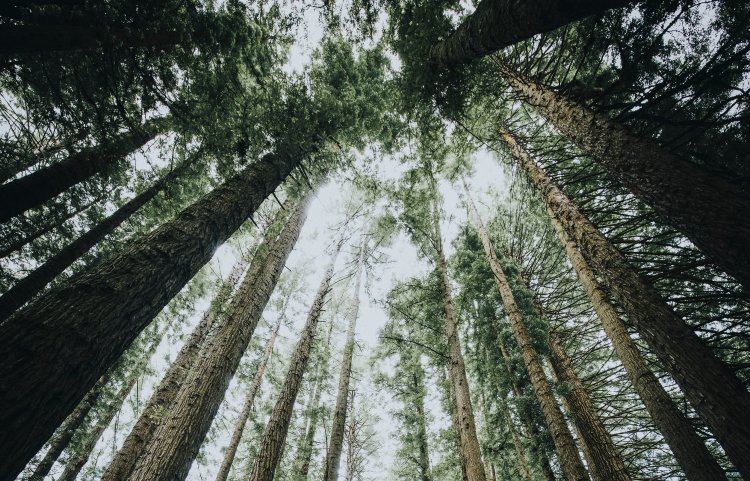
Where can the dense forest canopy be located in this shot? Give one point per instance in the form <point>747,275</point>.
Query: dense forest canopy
<point>374,240</point>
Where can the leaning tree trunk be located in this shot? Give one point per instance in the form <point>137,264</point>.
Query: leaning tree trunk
<point>56,348</point>
<point>336,443</point>
<point>33,190</point>
<point>274,436</point>
<point>239,426</point>
<point>469,451</point>
<point>688,448</point>
<point>606,461</point>
<point>565,445</point>
<point>28,287</point>
<point>132,449</point>
<point>496,24</point>
<point>175,443</point>
<point>709,209</point>
<point>709,385</point>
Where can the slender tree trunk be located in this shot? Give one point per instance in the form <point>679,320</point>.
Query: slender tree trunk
<point>33,190</point>
<point>28,39</point>
<point>424,454</point>
<point>496,24</point>
<point>606,461</point>
<point>274,436</point>
<point>175,443</point>
<point>456,423</point>
<point>710,386</point>
<point>709,209</point>
<point>28,287</point>
<point>469,451</point>
<point>65,433</point>
<point>336,442</point>
<point>517,445</point>
<point>351,455</point>
<point>564,443</point>
<point>239,427</point>
<point>135,443</point>
<point>56,348</point>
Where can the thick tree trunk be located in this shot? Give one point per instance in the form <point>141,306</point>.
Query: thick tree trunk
<point>175,443</point>
<point>469,451</point>
<point>496,24</point>
<point>28,287</point>
<point>564,443</point>
<point>274,436</point>
<point>56,348</point>
<point>336,442</point>
<point>709,209</point>
<point>33,190</point>
<point>28,39</point>
<point>239,426</point>
<point>65,433</point>
<point>606,461</point>
<point>710,386</point>
<point>135,443</point>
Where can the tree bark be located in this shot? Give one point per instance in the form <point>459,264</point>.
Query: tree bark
<point>424,454</point>
<point>336,442</point>
<point>709,385</point>
<point>274,436</point>
<point>469,451</point>
<point>28,287</point>
<point>36,188</point>
<point>565,445</point>
<point>132,449</point>
<point>496,24</point>
<point>175,443</point>
<point>56,348</point>
<point>709,209</point>
<point>239,427</point>
<point>606,461</point>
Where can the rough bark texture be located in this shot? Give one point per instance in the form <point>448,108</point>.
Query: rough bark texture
<point>336,442</point>
<point>247,406</point>
<point>175,443</point>
<point>469,451</point>
<point>564,443</point>
<point>135,443</point>
<point>496,24</point>
<point>606,461</point>
<point>709,385</point>
<point>33,190</point>
<point>28,287</point>
<point>688,448</point>
<point>56,348</point>
<point>709,209</point>
<point>274,436</point>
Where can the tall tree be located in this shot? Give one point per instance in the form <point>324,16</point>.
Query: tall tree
<point>336,442</point>
<point>707,207</point>
<point>710,386</point>
<point>195,405</point>
<point>274,436</point>
<point>564,443</point>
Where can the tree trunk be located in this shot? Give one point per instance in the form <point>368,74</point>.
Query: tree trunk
<point>710,386</point>
<point>336,442</point>
<point>274,436</point>
<point>564,443</point>
<point>132,449</point>
<point>709,209</point>
<point>469,451</point>
<point>688,448</point>
<point>36,188</point>
<point>351,454</point>
<point>28,287</point>
<point>455,422</point>
<point>239,426</point>
<point>496,24</point>
<point>424,455</point>
<point>56,348</point>
<point>606,461</point>
<point>28,39</point>
<point>176,441</point>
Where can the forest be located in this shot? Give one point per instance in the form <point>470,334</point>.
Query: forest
<point>370,240</point>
